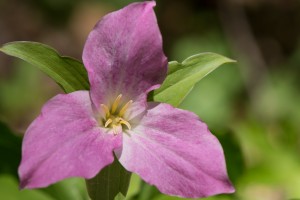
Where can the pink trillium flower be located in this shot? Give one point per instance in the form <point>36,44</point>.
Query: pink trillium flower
<point>77,134</point>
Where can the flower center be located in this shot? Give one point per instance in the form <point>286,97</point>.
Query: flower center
<point>114,115</point>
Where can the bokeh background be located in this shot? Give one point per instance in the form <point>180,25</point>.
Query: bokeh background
<point>252,106</point>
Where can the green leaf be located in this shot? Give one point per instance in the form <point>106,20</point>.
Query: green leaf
<point>69,73</point>
<point>183,76</point>
<point>111,181</point>
<point>134,186</point>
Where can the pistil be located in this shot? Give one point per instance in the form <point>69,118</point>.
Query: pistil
<point>114,116</point>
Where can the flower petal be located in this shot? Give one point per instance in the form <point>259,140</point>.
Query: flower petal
<point>65,141</point>
<point>174,151</point>
<point>123,55</point>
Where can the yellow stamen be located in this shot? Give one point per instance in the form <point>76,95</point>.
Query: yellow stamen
<point>113,118</point>
<point>108,122</point>
<point>125,107</point>
<point>116,103</point>
<point>122,121</point>
<point>106,110</point>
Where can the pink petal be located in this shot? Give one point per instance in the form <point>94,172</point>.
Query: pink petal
<point>123,55</point>
<point>65,141</point>
<point>174,151</point>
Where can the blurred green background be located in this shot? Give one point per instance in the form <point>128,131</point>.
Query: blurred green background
<point>252,106</point>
